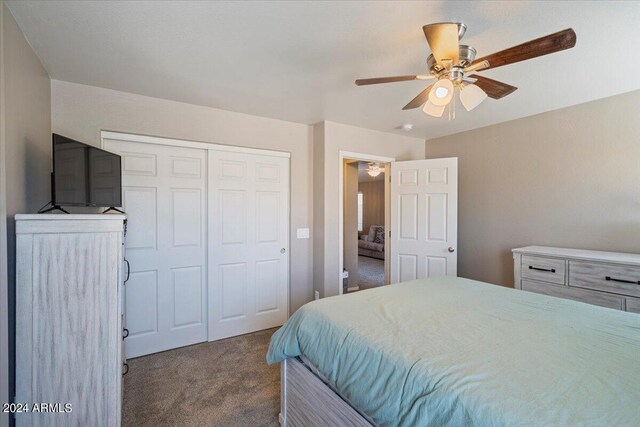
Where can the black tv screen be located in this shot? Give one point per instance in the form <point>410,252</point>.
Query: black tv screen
<point>84,175</point>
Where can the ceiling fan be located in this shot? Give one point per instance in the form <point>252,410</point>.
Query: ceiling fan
<point>454,65</point>
<point>374,169</point>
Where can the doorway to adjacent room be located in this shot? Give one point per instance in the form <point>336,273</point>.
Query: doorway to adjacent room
<point>365,204</point>
<point>418,237</point>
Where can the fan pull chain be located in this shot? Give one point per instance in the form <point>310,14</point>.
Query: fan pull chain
<point>452,106</point>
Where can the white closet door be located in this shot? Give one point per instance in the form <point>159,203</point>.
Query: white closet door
<point>164,196</point>
<point>424,216</point>
<point>248,243</point>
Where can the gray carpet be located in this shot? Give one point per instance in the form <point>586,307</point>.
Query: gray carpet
<point>370,272</point>
<point>223,383</point>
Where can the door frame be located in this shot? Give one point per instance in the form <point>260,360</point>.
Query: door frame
<point>210,146</point>
<point>159,140</point>
<point>342,155</point>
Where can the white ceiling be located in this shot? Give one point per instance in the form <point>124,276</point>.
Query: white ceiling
<point>297,61</point>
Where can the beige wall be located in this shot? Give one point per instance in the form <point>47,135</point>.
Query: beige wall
<point>25,110</point>
<point>318,208</point>
<point>372,204</point>
<point>333,138</point>
<point>81,112</point>
<point>4,279</point>
<point>568,178</point>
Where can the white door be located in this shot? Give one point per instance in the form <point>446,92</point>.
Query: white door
<point>249,242</point>
<point>424,219</point>
<point>164,197</point>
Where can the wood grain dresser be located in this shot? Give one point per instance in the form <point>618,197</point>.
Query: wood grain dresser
<point>69,300</point>
<point>607,279</point>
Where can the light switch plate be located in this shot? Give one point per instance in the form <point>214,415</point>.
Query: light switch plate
<point>302,233</point>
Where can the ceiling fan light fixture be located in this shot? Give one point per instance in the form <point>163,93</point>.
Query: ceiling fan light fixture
<point>441,92</point>
<point>433,110</point>
<point>471,96</point>
<point>374,170</point>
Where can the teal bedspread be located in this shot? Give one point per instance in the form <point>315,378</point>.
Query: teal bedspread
<point>456,352</point>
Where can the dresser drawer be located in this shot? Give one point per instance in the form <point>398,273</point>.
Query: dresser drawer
<point>590,297</point>
<point>619,279</point>
<point>633,305</point>
<point>541,268</point>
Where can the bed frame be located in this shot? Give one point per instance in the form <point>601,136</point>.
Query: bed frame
<point>307,400</point>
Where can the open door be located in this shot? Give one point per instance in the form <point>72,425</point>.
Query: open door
<point>424,219</point>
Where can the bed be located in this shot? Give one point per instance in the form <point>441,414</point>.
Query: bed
<point>451,352</point>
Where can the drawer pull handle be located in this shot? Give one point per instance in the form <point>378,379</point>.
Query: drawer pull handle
<point>125,369</point>
<point>125,333</point>
<point>550,270</point>
<point>621,280</point>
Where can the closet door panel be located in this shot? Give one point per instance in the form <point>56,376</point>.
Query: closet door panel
<point>248,242</point>
<point>164,195</point>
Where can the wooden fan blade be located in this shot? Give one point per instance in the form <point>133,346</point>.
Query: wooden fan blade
<point>378,80</point>
<point>443,41</point>
<point>493,88</point>
<point>565,39</point>
<point>418,100</point>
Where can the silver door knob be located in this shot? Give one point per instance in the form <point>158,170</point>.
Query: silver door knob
<point>283,250</point>
<point>451,249</point>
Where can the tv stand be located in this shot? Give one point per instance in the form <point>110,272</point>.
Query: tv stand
<point>113,209</point>
<point>51,208</point>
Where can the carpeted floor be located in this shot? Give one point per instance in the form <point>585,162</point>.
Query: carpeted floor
<point>222,383</point>
<point>370,272</point>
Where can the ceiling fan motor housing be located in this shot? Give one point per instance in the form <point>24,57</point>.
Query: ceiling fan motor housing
<point>466,53</point>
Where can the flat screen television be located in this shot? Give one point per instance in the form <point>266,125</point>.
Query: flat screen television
<point>84,175</point>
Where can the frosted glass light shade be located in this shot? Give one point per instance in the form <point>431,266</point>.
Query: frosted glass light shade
<point>433,110</point>
<point>441,92</point>
<point>471,96</point>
